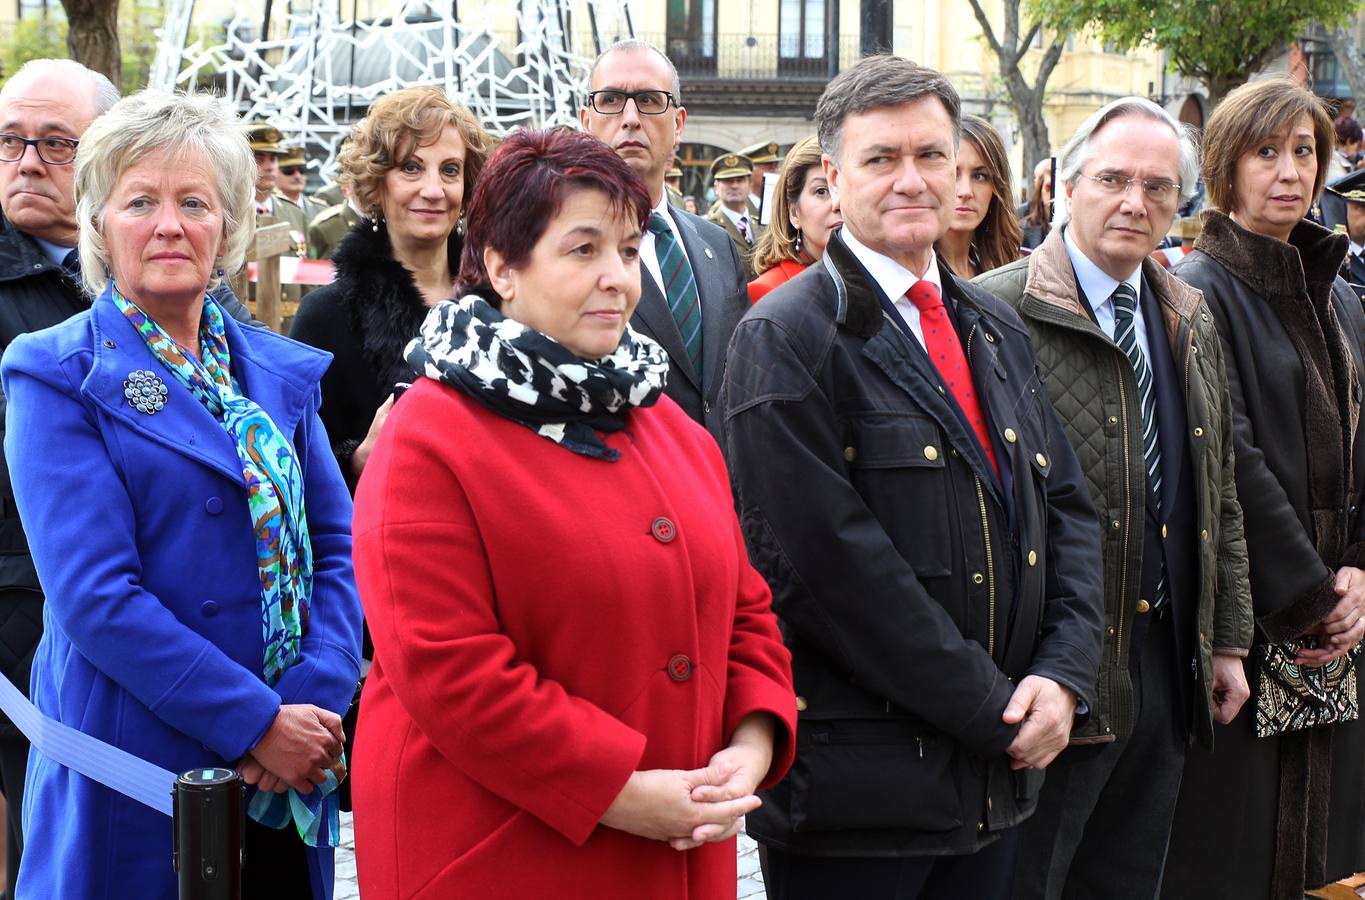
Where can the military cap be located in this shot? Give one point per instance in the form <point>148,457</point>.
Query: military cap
<point>266,139</point>
<point>762,152</point>
<point>731,165</point>
<point>292,156</point>
<point>1350,187</point>
<point>674,172</point>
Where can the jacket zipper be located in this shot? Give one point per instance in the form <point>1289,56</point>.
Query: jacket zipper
<point>985,533</point>
<point>1127,511</point>
<point>990,566</point>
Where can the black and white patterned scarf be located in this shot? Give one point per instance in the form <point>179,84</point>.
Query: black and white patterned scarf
<point>533,379</point>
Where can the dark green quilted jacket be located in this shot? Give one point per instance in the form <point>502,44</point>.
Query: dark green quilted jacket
<point>1094,391</point>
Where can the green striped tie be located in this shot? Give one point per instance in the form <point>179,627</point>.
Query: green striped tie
<point>680,287</point>
<point>1125,335</point>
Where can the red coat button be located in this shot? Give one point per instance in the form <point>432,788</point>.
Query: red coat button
<point>680,668</point>
<point>663,530</point>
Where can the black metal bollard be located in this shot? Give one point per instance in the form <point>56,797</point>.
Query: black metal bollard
<point>210,828</point>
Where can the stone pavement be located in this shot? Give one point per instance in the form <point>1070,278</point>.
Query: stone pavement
<point>749,886</point>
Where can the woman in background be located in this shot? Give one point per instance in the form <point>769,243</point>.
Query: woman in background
<point>409,164</point>
<point>804,213</point>
<point>984,232</point>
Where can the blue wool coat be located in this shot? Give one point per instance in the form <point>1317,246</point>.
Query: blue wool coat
<point>144,545</point>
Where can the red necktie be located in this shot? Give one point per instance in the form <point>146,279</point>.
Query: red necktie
<point>945,352</point>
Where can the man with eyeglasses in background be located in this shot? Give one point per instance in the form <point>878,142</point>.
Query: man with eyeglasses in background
<point>45,107</point>
<point>1134,368</point>
<point>693,288</point>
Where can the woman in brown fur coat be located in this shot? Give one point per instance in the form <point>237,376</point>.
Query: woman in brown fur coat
<point>1268,817</point>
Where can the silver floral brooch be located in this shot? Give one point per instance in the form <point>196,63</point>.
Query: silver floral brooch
<point>146,392</point>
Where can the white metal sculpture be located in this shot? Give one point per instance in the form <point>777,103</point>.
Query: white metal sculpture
<point>320,76</point>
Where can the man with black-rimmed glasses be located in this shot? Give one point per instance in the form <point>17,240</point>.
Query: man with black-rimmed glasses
<point>693,290</point>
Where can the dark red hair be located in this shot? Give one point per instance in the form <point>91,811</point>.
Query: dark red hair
<point>523,186</point>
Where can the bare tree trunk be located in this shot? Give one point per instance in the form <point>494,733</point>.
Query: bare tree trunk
<point>1347,50</point>
<point>92,36</point>
<point>1025,100</point>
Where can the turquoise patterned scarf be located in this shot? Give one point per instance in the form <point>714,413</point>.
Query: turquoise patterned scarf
<point>284,553</point>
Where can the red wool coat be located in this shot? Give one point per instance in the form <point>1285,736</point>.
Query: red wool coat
<point>544,625</point>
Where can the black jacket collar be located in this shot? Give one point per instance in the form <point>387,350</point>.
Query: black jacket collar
<point>20,255</point>
<point>381,299</point>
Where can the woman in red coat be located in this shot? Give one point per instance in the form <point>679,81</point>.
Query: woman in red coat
<point>579,685</point>
<point>804,213</point>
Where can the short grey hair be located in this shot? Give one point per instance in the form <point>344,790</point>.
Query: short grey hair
<point>197,125</point>
<point>879,82</point>
<point>1080,148</point>
<point>103,93</point>
<point>633,45</point>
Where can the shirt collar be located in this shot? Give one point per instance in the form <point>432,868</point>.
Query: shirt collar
<point>1357,249</point>
<point>55,252</point>
<point>1095,283</point>
<point>894,279</point>
<point>734,216</point>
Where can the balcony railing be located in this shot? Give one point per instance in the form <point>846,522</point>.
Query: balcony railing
<point>759,56</point>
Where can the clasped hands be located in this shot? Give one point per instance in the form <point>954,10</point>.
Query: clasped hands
<point>301,746</point>
<point>688,808</point>
<point>1344,626</point>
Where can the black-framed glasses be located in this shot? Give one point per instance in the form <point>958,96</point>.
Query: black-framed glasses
<point>613,103</point>
<point>1158,190</point>
<point>54,151</point>
<point>290,170</point>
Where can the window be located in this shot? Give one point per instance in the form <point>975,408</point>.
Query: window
<point>801,29</point>
<point>691,30</point>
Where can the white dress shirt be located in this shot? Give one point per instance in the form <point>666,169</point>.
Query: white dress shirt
<point>1099,288</point>
<point>895,280</point>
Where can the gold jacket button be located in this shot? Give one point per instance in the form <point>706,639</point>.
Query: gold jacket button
<point>1199,432</point>
<point>1144,606</point>
<point>931,453</point>
<point>850,454</point>
<point>978,578</point>
<point>1204,535</point>
<point>800,704</point>
<point>1041,460</point>
<point>1033,557</point>
<point>1010,435</point>
<point>1163,532</point>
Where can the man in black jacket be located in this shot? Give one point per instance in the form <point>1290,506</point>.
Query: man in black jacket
<point>907,490</point>
<point>45,107</point>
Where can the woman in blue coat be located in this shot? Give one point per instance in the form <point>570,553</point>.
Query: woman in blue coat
<point>188,522</point>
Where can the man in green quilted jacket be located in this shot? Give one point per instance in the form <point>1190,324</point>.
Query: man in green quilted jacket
<point>1132,363</point>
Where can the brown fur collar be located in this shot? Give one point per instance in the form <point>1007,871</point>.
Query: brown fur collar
<point>1270,267</point>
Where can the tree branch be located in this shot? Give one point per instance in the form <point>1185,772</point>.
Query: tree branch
<point>987,31</point>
